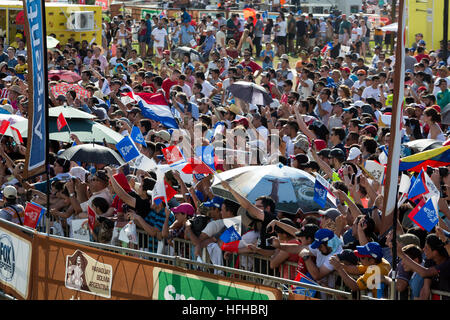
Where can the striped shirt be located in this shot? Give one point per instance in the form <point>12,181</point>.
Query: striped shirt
<point>156,219</point>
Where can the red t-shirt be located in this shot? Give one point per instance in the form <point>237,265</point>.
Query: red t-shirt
<point>419,57</point>
<point>166,85</point>
<point>252,65</point>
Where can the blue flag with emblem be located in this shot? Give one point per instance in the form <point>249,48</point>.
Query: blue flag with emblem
<point>137,136</point>
<point>321,187</point>
<point>206,153</point>
<point>230,235</point>
<point>127,149</point>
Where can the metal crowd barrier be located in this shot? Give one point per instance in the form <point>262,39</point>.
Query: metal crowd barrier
<point>249,267</point>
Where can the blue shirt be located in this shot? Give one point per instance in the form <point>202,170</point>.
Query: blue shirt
<point>12,63</point>
<point>185,17</point>
<point>156,219</point>
<point>209,43</point>
<point>148,33</point>
<point>185,36</point>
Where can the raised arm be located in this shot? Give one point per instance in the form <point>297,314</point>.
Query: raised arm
<point>247,205</point>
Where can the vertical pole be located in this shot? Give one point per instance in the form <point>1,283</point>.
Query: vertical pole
<point>445,49</point>
<point>393,17</point>
<point>47,139</point>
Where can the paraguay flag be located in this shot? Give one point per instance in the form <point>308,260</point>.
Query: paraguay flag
<point>439,157</point>
<point>154,106</point>
<point>418,187</point>
<point>426,217</point>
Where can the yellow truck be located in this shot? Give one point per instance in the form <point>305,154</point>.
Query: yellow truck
<point>81,22</point>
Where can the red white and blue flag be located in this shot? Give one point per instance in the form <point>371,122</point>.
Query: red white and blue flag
<point>33,214</point>
<point>154,106</point>
<point>173,155</point>
<point>162,190</point>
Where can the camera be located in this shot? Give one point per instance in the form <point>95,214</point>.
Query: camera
<point>269,242</point>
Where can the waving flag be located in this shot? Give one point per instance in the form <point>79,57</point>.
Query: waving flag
<point>127,149</point>
<point>154,106</point>
<point>137,136</point>
<point>300,277</point>
<point>321,187</point>
<point>206,154</point>
<point>16,135</point>
<point>162,190</point>
<point>33,214</point>
<point>219,128</point>
<point>439,157</point>
<point>230,235</point>
<point>173,155</point>
<point>61,122</point>
<point>4,126</point>
<point>426,217</point>
<point>91,219</point>
<point>327,47</point>
<point>376,169</point>
<point>196,166</point>
<point>418,188</point>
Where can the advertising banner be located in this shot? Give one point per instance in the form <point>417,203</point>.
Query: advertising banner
<point>15,263</point>
<point>38,88</point>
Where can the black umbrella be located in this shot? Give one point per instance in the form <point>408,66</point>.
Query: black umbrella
<point>92,153</point>
<point>251,93</point>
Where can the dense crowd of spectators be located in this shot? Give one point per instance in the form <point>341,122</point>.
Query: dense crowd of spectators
<point>331,89</point>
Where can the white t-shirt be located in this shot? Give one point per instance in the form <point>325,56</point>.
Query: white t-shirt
<point>220,39</point>
<point>289,146</point>
<point>370,92</point>
<point>323,27</point>
<point>263,131</point>
<point>207,88</point>
<point>358,84</point>
<point>282,30</point>
<point>305,92</point>
<point>159,35</point>
<point>326,106</point>
<point>355,33</point>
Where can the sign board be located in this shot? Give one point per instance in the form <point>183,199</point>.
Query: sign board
<point>15,262</point>
<point>86,274</point>
<point>174,285</point>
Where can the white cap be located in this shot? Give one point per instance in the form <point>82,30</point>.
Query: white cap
<point>353,154</point>
<point>8,108</point>
<point>10,192</point>
<point>275,103</point>
<point>7,78</point>
<point>79,172</point>
<point>359,103</point>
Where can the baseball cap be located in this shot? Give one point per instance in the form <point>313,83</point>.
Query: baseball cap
<point>215,202</point>
<point>352,110</point>
<point>349,256</point>
<point>308,230</point>
<point>79,172</point>
<point>361,71</point>
<point>185,208</point>
<point>339,103</point>
<point>322,236</point>
<point>337,153</point>
<point>320,144</point>
<point>284,57</point>
<point>163,134</point>
<point>8,108</point>
<point>353,153</point>
<point>101,174</point>
<point>346,69</point>
<point>331,213</point>
<point>370,129</point>
<point>358,103</point>
<point>100,113</point>
<point>15,88</point>
<point>301,143</point>
<point>134,110</point>
<point>367,108</point>
<point>10,192</point>
<point>370,250</point>
<point>242,121</point>
<point>233,108</point>
<point>325,152</point>
<point>166,52</point>
<point>421,42</point>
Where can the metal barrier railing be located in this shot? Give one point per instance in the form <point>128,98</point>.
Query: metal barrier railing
<point>180,254</point>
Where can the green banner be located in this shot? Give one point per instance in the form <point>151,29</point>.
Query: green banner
<point>151,12</point>
<point>172,286</point>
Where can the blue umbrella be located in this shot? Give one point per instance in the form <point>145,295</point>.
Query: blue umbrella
<point>289,187</point>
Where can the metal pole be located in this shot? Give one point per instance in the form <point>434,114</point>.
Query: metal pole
<point>47,138</point>
<point>393,14</point>
<point>445,40</point>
